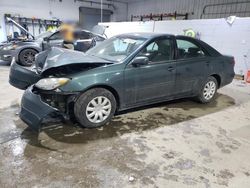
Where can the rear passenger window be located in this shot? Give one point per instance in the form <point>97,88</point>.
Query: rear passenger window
<point>187,49</point>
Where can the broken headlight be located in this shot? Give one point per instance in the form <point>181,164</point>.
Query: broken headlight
<point>51,83</point>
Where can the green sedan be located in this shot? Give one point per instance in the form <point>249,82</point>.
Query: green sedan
<point>123,72</point>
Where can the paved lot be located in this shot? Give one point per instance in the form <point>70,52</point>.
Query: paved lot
<point>174,144</point>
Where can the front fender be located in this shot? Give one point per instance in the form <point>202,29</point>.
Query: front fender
<point>103,76</point>
<point>85,81</point>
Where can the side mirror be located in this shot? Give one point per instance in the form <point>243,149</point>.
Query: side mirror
<point>141,60</point>
<point>46,39</point>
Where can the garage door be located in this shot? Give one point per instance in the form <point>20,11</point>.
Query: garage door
<point>89,17</point>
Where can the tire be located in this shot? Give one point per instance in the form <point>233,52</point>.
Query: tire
<point>27,57</point>
<point>84,107</point>
<point>207,95</point>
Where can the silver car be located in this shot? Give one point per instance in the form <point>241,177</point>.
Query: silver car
<point>25,51</point>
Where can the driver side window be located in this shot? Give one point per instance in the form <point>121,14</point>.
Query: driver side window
<point>158,51</point>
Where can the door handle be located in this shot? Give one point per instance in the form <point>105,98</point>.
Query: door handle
<point>170,69</point>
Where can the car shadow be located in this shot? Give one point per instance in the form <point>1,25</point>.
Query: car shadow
<point>136,120</point>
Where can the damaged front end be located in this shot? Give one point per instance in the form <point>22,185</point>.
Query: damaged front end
<point>22,77</point>
<point>37,106</point>
<point>43,96</point>
<point>52,63</point>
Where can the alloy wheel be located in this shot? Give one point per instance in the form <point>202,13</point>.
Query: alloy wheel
<point>29,57</point>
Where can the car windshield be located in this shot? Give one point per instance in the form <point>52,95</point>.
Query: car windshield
<point>43,35</point>
<point>116,48</point>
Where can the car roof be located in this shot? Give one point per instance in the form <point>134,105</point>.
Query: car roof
<point>146,35</point>
<point>149,35</point>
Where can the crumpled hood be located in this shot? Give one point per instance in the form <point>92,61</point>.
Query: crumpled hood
<point>57,57</point>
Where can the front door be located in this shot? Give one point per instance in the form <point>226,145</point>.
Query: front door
<point>155,80</point>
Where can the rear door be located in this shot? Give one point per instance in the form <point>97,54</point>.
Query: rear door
<point>192,67</point>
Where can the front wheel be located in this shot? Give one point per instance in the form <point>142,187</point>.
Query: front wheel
<point>95,107</point>
<point>208,90</point>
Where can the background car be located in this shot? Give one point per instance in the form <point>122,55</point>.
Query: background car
<point>25,50</point>
<point>123,72</point>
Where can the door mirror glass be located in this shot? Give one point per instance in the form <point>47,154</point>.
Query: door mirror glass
<point>141,60</point>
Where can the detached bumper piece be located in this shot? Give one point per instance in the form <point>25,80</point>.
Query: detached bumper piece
<point>34,110</point>
<point>22,77</point>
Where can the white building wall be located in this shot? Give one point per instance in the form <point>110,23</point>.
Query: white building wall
<point>193,7</point>
<point>67,10</point>
<point>228,39</point>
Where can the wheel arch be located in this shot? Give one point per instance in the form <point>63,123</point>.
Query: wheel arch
<point>109,88</point>
<point>218,78</point>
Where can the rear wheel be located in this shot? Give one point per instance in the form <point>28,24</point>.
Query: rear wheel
<point>208,90</point>
<point>95,107</point>
<point>27,57</point>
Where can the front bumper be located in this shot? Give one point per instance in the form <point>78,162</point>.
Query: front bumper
<point>22,77</point>
<point>34,110</point>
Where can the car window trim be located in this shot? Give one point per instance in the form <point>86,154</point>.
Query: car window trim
<point>192,58</point>
<point>162,62</point>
